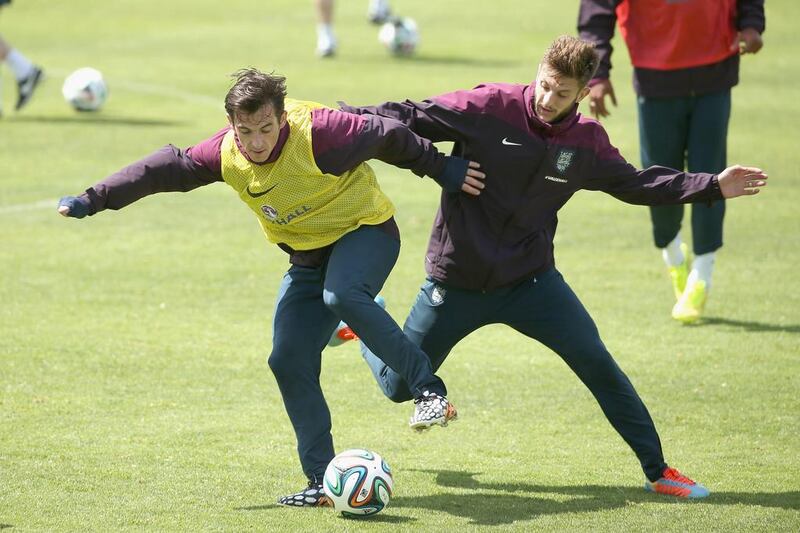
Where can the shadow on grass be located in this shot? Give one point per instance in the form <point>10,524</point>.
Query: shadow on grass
<point>5,526</point>
<point>90,118</point>
<point>523,501</point>
<point>384,517</point>
<point>746,325</point>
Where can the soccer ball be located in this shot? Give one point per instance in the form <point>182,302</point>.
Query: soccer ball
<point>358,482</point>
<point>85,89</point>
<point>399,36</point>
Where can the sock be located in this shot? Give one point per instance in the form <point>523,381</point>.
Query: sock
<point>19,64</point>
<point>378,10</point>
<point>325,38</point>
<point>702,268</point>
<point>672,253</point>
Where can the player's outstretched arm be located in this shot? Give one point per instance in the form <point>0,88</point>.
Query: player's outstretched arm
<point>741,181</point>
<point>169,169</point>
<point>343,140</point>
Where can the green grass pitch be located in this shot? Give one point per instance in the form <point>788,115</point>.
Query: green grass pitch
<point>134,390</point>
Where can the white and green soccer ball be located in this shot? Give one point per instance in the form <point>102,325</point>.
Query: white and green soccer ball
<point>400,36</point>
<point>358,482</point>
<point>85,89</point>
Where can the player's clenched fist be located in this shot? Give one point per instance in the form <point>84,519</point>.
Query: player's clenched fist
<point>70,206</point>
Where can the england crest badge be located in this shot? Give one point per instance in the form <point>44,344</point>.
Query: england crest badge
<point>438,294</point>
<point>564,159</point>
<point>269,212</point>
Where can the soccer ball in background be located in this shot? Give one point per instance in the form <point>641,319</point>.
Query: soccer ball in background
<point>399,36</point>
<point>358,482</point>
<point>85,89</point>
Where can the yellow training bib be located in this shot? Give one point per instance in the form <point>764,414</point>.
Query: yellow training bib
<point>295,202</point>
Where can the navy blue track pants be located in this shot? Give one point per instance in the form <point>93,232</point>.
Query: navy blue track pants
<point>544,309</point>
<point>691,133</point>
<point>311,301</point>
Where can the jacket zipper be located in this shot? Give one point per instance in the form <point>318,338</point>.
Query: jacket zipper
<point>508,220</point>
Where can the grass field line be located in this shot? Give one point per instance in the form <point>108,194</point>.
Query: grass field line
<point>149,88</point>
<point>50,203</point>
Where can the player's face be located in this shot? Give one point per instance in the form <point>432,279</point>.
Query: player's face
<point>556,94</point>
<point>258,133</point>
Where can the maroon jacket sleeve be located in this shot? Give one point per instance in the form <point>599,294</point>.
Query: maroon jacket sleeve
<point>341,141</point>
<point>652,186</point>
<point>440,118</point>
<point>166,170</point>
<point>750,14</point>
<point>596,22</point>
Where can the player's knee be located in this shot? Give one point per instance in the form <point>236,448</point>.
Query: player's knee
<point>340,301</point>
<point>281,361</point>
<point>331,299</point>
<point>598,366</point>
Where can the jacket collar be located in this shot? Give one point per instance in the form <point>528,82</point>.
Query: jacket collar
<point>546,128</point>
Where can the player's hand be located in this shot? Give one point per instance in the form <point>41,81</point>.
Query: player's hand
<point>460,175</point>
<point>70,206</point>
<point>597,98</point>
<point>748,41</point>
<point>741,181</point>
<point>473,180</point>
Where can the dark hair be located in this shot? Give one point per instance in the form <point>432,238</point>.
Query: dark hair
<point>254,89</point>
<point>573,58</point>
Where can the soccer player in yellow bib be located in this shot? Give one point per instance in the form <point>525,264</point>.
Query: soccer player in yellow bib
<point>300,167</point>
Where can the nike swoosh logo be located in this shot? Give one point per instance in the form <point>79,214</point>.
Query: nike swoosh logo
<point>257,194</point>
<point>509,143</point>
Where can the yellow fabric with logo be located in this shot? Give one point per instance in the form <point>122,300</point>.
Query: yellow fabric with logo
<point>303,208</point>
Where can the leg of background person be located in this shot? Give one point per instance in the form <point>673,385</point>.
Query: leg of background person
<point>302,325</point>
<point>19,64</point>
<point>326,40</point>
<point>708,136</point>
<point>547,310</point>
<point>4,49</point>
<point>663,132</point>
<point>356,271</point>
<point>707,153</point>
<point>26,73</point>
<point>378,11</point>
<point>438,320</point>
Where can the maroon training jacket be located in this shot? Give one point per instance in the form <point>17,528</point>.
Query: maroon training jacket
<point>505,235</point>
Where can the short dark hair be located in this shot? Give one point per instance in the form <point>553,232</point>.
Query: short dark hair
<point>254,89</point>
<point>573,58</point>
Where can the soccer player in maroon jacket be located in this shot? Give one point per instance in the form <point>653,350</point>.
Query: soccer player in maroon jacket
<point>490,257</point>
<point>685,56</point>
<point>301,169</point>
